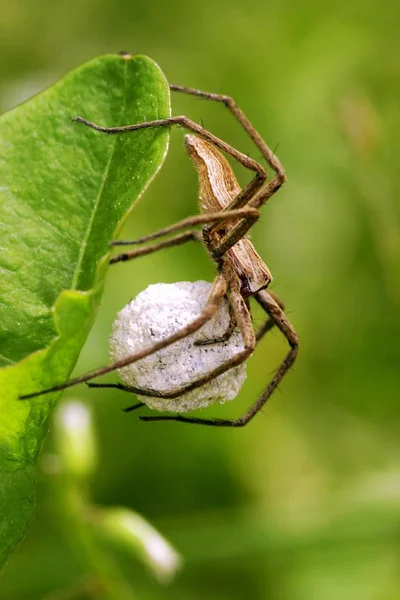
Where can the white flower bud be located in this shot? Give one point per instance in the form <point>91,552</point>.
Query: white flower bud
<point>158,312</point>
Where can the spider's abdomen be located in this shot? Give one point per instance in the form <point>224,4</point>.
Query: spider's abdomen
<point>217,181</point>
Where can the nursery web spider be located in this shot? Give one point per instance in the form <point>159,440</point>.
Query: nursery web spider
<point>228,213</point>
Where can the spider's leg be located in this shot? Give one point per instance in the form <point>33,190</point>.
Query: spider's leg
<point>259,194</point>
<point>115,386</point>
<point>272,160</point>
<point>261,331</point>
<point>123,388</point>
<point>182,238</point>
<point>224,337</point>
<point>212,304</point>
<point>244,196</point>
<point>187,123</point>
<point>118,386</point>
<point>203,219</point>
<point>177,240</point>
<point>269,323</point>
<point>264,328</point>
<point>131,390</point>
<point>134,407</point>
<point>128,388</point>
<point>278,316</point>
<point>270,305</point>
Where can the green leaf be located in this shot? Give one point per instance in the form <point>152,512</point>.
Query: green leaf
<point>64,190</point>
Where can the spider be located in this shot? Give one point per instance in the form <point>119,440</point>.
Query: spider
<point>227,213</point>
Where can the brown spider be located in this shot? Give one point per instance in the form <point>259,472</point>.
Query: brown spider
<point>229,212</point>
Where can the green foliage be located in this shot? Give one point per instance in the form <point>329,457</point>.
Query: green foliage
<point>64,193</point>
<point>97,534</point>
<point>303,504</point>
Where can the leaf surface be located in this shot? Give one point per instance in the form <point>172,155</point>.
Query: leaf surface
<point>64,192</point>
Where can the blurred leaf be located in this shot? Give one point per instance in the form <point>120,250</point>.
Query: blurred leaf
<point>63,192</point>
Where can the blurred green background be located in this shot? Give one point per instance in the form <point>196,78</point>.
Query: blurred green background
<point>304,503</point>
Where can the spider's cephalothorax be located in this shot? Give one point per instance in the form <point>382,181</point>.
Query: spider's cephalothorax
<point>228,212</point>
